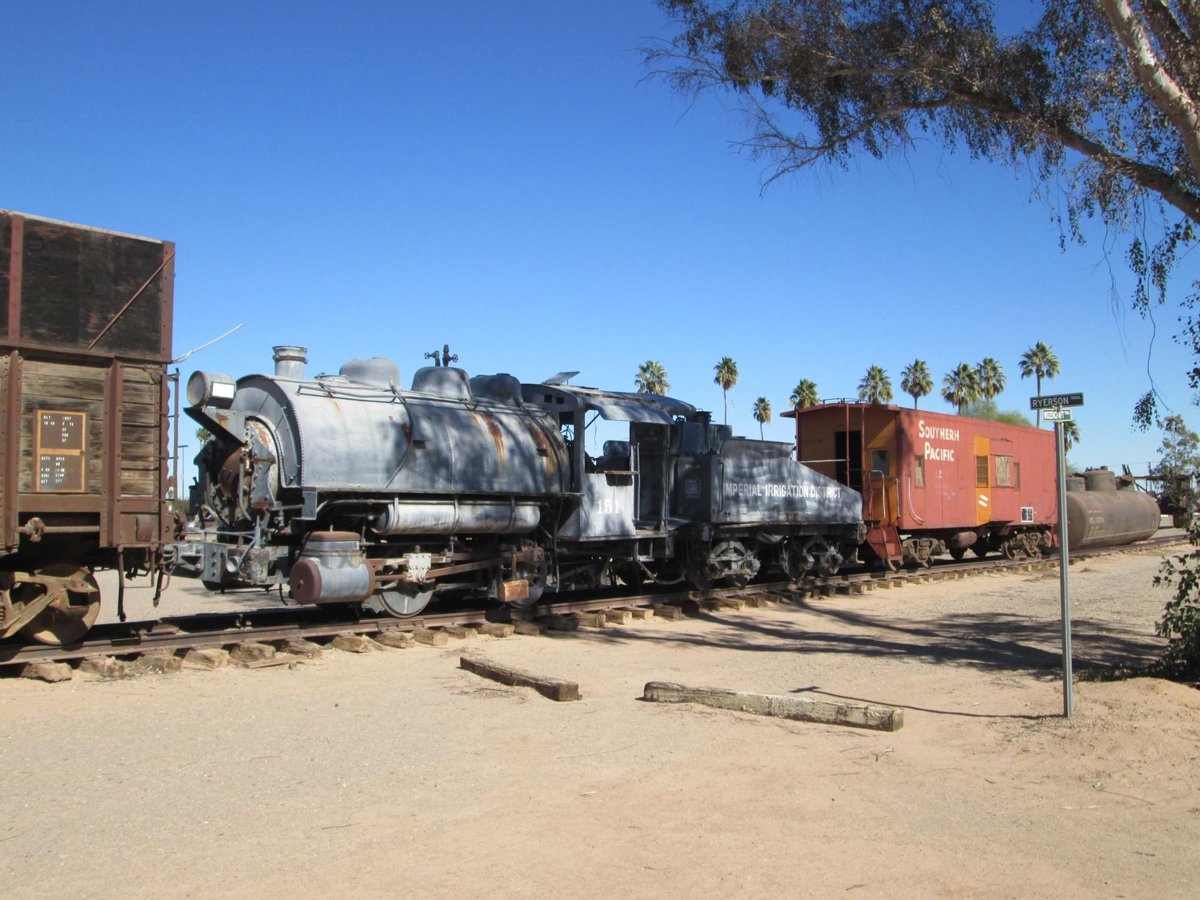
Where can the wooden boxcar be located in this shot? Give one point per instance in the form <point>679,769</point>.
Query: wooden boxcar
<point>85,337</point>
<point>934,483</point>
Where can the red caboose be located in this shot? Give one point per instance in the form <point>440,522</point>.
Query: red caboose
<point>934,483</point>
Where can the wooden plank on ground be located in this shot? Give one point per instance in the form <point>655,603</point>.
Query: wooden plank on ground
<point>859,715</point>
<point>554,688</point>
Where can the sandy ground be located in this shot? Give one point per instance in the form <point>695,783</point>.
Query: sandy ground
<point>399,772</point>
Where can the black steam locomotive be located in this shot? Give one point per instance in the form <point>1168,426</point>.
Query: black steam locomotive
<point>352,489</point>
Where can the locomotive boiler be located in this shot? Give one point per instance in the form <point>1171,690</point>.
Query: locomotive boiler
<point>353,489</point>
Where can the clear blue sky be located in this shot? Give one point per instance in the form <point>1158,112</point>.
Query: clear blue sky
<point>377,179</point>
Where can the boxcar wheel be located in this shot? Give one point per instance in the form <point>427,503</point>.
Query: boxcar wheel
<point>72,613</point>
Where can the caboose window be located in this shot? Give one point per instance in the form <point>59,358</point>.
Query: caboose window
<point>1003,471</point>
<point>919,471</point>
<point>981,471</point>
<point>1016,474</point>
<point>879,461</point>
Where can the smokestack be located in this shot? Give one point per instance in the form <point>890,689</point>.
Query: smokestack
<point>289,362</point>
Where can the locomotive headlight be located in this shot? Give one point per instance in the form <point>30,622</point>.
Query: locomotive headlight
<point>210,389</point>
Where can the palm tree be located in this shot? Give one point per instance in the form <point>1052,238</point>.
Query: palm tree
<point>875,387</point>
<point>961,387</point>
<point>1070,434</point>
<point>762,413</point>
<point>727,375</point>
<point>916,381</point>
<point>805,395</point>
<point>652,378</point>
<point>991,378</point>
<point>1039,361</point>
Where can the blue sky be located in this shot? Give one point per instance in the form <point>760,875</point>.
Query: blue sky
<point>377,179</point>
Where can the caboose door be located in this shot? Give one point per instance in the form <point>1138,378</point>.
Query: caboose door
<point>983,486</point>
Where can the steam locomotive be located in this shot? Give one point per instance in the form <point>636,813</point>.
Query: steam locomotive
<point>352,489</point>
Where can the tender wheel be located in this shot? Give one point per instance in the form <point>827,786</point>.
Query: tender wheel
<point>958,554</point>
<point>71,613</point>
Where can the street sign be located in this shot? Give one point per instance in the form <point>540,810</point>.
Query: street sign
<point>1056,415</point>
<point>1053,401</point>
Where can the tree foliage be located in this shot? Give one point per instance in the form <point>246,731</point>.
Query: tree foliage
<point>762,413</point>
<point>1070,434</point>
<point>1177,470</point>
<point>1180,623</point>
<point>987,409</point>
<point>1114,81</point>
<point>804,395</point>
<point>916,381</point>
<point>726,377</point>
<point>652,378</point>
<point>991,378</point>
<point>1099,100</point>
<point>876,386</point>
<point>961,387</point>
<point>1039,362</point>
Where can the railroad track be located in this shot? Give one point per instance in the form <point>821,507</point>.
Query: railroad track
<point>170,636</point>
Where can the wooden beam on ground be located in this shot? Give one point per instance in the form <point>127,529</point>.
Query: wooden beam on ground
<point>859,715</point>
<point>554,688</point>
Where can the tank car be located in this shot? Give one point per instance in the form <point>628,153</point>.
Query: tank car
<point>1104,510</point>
<point>935,483</point>
<point>85,337</point>
<point>353,489</point>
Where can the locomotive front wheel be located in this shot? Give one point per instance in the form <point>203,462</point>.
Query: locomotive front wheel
<point>70,615</point>
<point>958,553</point>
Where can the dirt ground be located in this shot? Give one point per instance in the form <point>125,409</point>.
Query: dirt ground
<point>397,771</point>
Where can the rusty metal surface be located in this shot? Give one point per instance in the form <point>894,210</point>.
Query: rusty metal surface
<point>1105,518</point>
<point>357,437</point>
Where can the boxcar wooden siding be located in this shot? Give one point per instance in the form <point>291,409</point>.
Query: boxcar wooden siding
<point>65,387</point>
<point>75,282</point>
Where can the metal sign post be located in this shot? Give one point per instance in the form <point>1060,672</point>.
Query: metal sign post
<point>1064,572</point>
<point>1056,410</point>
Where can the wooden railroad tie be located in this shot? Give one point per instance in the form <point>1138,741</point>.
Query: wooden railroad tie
<point>554,688</point>
<point>859,715</point>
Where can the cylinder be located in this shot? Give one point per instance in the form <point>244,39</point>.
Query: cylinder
<point>289,361</point>
<point>458,517</point>
<point>331,569</point>
<point>1076,483</point>
<point>1109,518</point>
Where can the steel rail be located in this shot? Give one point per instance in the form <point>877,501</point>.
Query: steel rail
<point>273,624</point>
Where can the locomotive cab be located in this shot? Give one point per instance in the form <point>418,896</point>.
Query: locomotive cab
<point>623,493</point>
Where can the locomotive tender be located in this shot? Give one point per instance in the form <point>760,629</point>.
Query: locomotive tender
<point>352,489</point>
